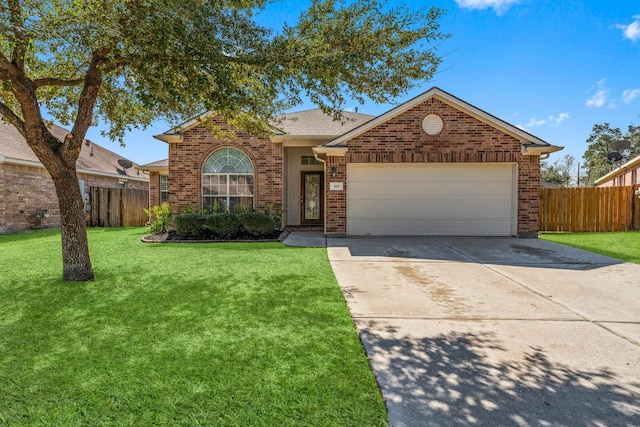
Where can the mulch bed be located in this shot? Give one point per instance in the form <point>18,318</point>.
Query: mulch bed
<point>173,237</point>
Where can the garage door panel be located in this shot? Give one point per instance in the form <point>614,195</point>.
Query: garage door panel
<point>430,199</point>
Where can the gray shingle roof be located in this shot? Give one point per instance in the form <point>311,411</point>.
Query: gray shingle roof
<point>315,123</point>
<point>158,164</point>
<point>92,158</point>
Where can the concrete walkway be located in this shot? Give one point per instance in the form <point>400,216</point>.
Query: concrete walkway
<point>305,239</point>
<point>522,332</point>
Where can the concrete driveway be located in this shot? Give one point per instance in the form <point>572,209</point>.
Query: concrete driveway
<point>495,331</point>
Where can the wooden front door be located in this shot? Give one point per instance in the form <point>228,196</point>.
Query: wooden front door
<point>311,200</point>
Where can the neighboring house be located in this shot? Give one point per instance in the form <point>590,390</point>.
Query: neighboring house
<point>434,165</point>
<point>626,175</point>
<point>27,195</point>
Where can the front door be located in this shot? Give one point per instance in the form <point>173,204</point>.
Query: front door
<point>312,185</point>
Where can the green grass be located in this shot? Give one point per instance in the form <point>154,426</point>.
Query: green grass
<point>620,245</point>
<point>241,334</point>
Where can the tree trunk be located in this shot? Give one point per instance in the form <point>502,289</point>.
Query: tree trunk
<point>73,228</point>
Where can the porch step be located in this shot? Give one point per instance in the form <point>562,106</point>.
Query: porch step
<point>305,228</point>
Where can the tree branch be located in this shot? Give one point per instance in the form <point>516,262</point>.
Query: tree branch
<point>7,67</point>
<point>87,100</point>
<point>9,116</point>
<point>52,81</point>
<point>17,21</point>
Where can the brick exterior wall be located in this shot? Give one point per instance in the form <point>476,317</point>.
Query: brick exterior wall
<point>627,178</point>
<point>463,139</point>
<point>154,188</point>
<point>26,190</point>
<point>187,158</point>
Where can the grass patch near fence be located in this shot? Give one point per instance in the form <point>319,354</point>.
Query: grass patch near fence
<point>620,245</point>
<point>240,334</point>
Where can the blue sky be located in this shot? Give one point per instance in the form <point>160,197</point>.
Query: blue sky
<point>554,68</point>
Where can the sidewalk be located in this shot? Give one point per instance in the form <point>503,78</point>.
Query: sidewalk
<point>306,239</point>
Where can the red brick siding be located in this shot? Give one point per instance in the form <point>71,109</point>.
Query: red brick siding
<point>463,139</point>
<point>528,195</point>
<point>626,178</point>
<point>187,157</point>
<point>154,188</point>
<point>336,209</point>
<point>24,190</point>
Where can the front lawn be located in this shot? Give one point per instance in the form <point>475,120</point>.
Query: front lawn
<point>620,245</point>
<point>240,334</point>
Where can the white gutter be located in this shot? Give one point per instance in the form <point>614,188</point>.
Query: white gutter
<point>330,151</point>
<point>169,138</point>
<point>539,150</point>
<point>628,165</point>
<point>33,164</point>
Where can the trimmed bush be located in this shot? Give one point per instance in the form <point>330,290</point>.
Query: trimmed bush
<point>189,225</point>
<point>257,223</point>
<point>223,225</point>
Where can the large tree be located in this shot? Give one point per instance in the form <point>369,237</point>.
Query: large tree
<point>603,141</point>
<point>560,172</point>
<point>126,63</point>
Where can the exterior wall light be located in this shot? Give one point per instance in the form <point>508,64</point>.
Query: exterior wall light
<point>333,171</point>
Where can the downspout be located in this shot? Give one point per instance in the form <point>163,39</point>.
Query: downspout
<point>324,193</point>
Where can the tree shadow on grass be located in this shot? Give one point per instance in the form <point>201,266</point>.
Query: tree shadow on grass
<point>456,379</point>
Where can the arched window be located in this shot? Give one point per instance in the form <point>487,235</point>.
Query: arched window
<point>227,180</point>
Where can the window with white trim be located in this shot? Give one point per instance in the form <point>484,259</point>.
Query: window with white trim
<point>227,180</point>
<point>164,188</point>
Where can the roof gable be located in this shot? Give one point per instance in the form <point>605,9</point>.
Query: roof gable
<point>524,137</point>
<point>306,123</point>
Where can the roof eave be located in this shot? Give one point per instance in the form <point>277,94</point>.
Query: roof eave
<point>537,150</point>
<point>628,165</point>
<point>330,151</point>
<point>33,164</point>
<point>447,98</point>
<point>169,138</point>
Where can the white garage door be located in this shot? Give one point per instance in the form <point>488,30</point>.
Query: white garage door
<point>470,199</point>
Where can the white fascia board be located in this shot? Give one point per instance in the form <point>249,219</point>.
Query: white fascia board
<point>169,138</point>
<point>537,150</point>
<point>174,135</point>
<point>31,163</point>
<point>628,165</point>
<point>115,175</point>
<point>447,98</point>
<point>158,169</point>
<point>330,151</point>
<point>21,162</point>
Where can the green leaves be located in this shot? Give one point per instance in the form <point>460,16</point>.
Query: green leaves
<point>600,144</point>
<point>173,60</point>
<point>345,50</point>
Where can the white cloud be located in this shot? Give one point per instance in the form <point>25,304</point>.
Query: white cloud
<point>559,118</point>
<point>551,120</point>
<point>632,31</point>
<point>500,6</point>
<point>599,98</point>
<point>535,122</point>
<point>629,95</point>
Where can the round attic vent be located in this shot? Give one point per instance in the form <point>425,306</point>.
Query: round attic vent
<point>432,124</point>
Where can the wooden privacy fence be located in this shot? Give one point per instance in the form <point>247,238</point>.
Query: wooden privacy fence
<point>587,209</point>
<point>117,207</point>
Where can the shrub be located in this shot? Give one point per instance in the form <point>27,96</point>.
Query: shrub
<point>257,223</point>
<point>223,225</point>
<point>189,225</point>
<point>159,218</point>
